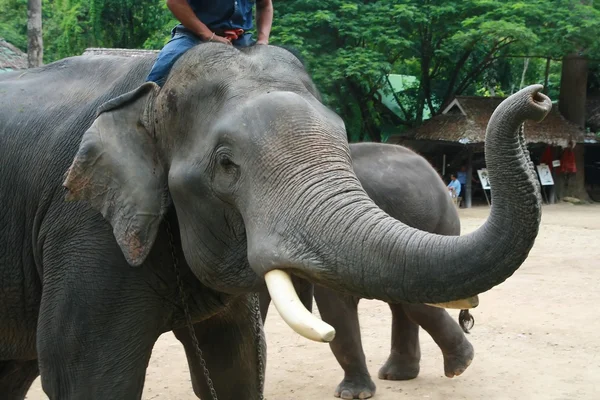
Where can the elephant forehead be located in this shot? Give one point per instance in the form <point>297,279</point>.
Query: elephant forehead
<point>274,112</point>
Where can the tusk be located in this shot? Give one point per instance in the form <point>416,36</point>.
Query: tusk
<point>463,304</point>
<point>291,309</point>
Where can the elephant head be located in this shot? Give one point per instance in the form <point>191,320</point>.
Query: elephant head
<point>259,173</point>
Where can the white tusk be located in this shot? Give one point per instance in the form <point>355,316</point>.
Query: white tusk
<point>463,304</point>
<point>292,310</point>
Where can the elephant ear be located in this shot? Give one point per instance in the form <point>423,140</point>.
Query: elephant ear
<point>118,171</point>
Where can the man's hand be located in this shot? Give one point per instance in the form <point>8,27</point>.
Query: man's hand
<point>219,39</point>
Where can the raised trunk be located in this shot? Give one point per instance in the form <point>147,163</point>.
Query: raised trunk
<point>351,245</point>
<point>35,47</point>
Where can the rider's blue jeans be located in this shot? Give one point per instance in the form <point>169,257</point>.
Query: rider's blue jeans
<point>181,41</point>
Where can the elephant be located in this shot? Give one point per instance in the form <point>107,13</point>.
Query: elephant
<point>407,187</point>
<point>130,210</point>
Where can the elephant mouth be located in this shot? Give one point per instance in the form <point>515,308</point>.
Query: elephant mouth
<point>304,323</point>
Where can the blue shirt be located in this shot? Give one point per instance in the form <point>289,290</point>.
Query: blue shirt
<point>456,185</point>
<point>224,14</point>
<point>462,177</point>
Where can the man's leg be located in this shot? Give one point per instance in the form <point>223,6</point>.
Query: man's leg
<point>179,44</point>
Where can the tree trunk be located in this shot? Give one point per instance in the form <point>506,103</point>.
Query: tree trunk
<point>546,75</point>
<point>35,45</point>
<point>571,103</point>
<point>525,66</point>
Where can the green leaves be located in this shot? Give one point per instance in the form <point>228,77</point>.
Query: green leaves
<point>451,47</point>
<point>350,46</point>
<point>72,25</point>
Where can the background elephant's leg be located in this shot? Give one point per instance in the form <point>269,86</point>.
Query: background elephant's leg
<point>304,289</point>
<point>405,355</point>
<point>445,331</point>
<point>341,313</point>
<point>229,345</point>
<point>265,301</point>
<point>16,377</point>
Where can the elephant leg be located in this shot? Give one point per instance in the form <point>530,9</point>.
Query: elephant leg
<point>405,354</point>
<point>341,312</point>
<point>228,342</point>
<point>97,325</point>
<point>16,378</point>
<point>445,331</point>
<point>304,289</point>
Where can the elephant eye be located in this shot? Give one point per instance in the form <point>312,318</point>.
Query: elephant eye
<point>225,160</point>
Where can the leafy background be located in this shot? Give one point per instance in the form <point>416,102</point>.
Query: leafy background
<point>470,47</point>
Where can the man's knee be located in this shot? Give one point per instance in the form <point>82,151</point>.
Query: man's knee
<point>168,56</point>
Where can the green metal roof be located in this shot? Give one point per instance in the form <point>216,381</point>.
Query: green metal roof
<point>397,84</point>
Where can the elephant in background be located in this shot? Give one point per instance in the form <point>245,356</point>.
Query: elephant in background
<point>230,174</point>
<point>407,187</point>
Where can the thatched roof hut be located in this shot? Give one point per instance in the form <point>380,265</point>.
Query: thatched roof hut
<point>11,58</point>
<point>465,120</point>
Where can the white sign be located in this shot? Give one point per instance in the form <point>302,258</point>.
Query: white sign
<point>484,178</point>
<point>556,163</point>
<point>545,175</point>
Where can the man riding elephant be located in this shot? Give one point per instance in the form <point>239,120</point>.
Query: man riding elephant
<point>201,21</point>
<point>187,198</point>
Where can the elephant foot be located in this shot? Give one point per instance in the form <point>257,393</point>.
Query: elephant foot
<point>399,368</point>
<point>357,387</point>
<point>457,362</point>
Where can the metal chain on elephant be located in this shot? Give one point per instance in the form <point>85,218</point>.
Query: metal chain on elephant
<point>259,344</point>
<point>257,326</point>
<point>188,318</point>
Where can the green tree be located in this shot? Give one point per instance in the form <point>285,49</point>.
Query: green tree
<point>453,47</point>
<point>70,26</point>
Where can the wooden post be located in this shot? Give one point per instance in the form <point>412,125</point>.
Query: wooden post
<point>468,191</point>
<point>444,166</point>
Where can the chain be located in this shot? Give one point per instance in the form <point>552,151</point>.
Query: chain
<point>259,345</point>
<point>188,318</point>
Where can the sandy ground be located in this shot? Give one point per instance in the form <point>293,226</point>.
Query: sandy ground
<point>536,336</point>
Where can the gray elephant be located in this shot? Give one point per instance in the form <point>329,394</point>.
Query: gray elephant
<point>230,176</point>
<point>405,185</point>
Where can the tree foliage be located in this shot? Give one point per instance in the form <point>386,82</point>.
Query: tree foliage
<point>483,47</point>
<point>453,47</point>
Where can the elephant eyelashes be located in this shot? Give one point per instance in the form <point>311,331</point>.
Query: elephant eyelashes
<point>224,159</point>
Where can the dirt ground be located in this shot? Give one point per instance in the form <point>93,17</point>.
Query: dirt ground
<point>535,336</point>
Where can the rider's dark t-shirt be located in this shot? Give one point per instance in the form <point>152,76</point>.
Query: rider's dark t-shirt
<point>224,14</point>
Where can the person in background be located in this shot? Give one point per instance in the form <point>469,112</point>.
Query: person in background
<point>462,176</point>
<point>221,21</point>
<point>454,186</point>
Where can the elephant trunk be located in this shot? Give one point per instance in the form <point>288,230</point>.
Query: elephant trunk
<point>353,246</point>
